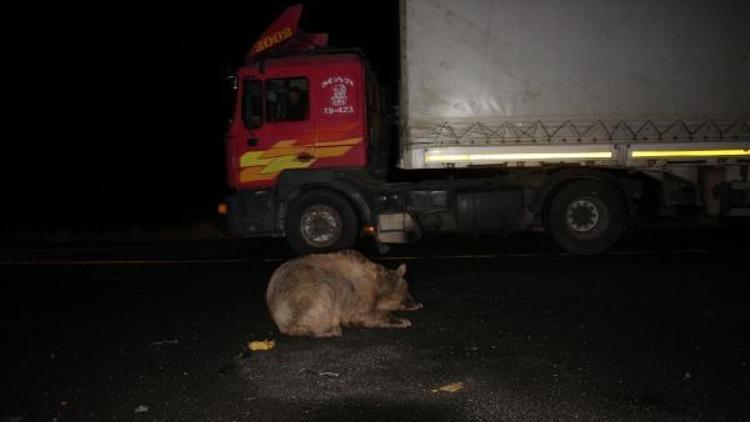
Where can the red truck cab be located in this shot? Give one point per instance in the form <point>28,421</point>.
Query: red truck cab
<point>305,127</point>
<point>306,124</point>
<point>300,112</point>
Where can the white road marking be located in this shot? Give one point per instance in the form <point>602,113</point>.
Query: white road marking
<point>105,262</point>
<point>122,262</point>
<point>543,255</point>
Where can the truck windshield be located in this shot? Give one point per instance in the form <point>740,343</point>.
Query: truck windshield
<point>252,103</point>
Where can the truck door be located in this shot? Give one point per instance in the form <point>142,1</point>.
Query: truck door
<point>341,123</point>
<point>279,129</point>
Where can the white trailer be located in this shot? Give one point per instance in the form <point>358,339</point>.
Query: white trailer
<point>657,86</point>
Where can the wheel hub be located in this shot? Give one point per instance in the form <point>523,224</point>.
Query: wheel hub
<point>582,215</point>
<point>321,225</point>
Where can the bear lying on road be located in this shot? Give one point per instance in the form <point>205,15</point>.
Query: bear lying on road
<point>316,295</point>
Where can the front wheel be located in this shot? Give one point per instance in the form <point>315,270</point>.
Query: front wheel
<point>587,217</point>
<point>320,221</point>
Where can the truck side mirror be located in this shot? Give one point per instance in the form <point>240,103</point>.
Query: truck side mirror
<point>232,79</point>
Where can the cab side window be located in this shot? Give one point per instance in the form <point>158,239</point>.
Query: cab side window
<point>287,99</point>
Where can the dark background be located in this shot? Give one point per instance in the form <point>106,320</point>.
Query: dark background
<point>119,108</point>
<point>115,126</point>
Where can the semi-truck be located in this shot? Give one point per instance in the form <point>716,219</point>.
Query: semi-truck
<point>571,118</point>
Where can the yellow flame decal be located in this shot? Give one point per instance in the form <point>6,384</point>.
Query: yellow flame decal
<point>286,162</point>
<point>253,158</point>
<point>351,142</point>
<point>283,155</point>
<point>251,174</point>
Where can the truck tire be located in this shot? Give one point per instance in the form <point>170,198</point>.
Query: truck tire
<point>586,217</point>
<point>321,221</point>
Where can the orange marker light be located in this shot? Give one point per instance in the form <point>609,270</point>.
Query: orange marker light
<point>222,208</point>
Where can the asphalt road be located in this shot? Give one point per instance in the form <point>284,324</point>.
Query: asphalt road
<point>657,331</point>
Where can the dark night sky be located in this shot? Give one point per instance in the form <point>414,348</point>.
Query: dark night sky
<point>122,105</point>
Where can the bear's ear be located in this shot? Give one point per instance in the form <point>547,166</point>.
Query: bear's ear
<point>401,270</point>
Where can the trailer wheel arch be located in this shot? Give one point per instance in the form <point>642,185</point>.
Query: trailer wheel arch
<point>627,188</point>
<point>603,198</point>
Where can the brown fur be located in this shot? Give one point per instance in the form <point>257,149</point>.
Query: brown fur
<point>318,294</point>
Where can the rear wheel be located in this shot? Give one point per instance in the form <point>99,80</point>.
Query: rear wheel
<point>321,221</point>
<point>587,217</point>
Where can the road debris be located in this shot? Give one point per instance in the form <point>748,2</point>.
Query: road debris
<point>450,388</point>
<point>141,409</point>
<point>322,374</point>
<point>165,342</point>
<point>261,346</point>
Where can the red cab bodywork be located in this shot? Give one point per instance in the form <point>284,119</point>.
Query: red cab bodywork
<point>334,134</point>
